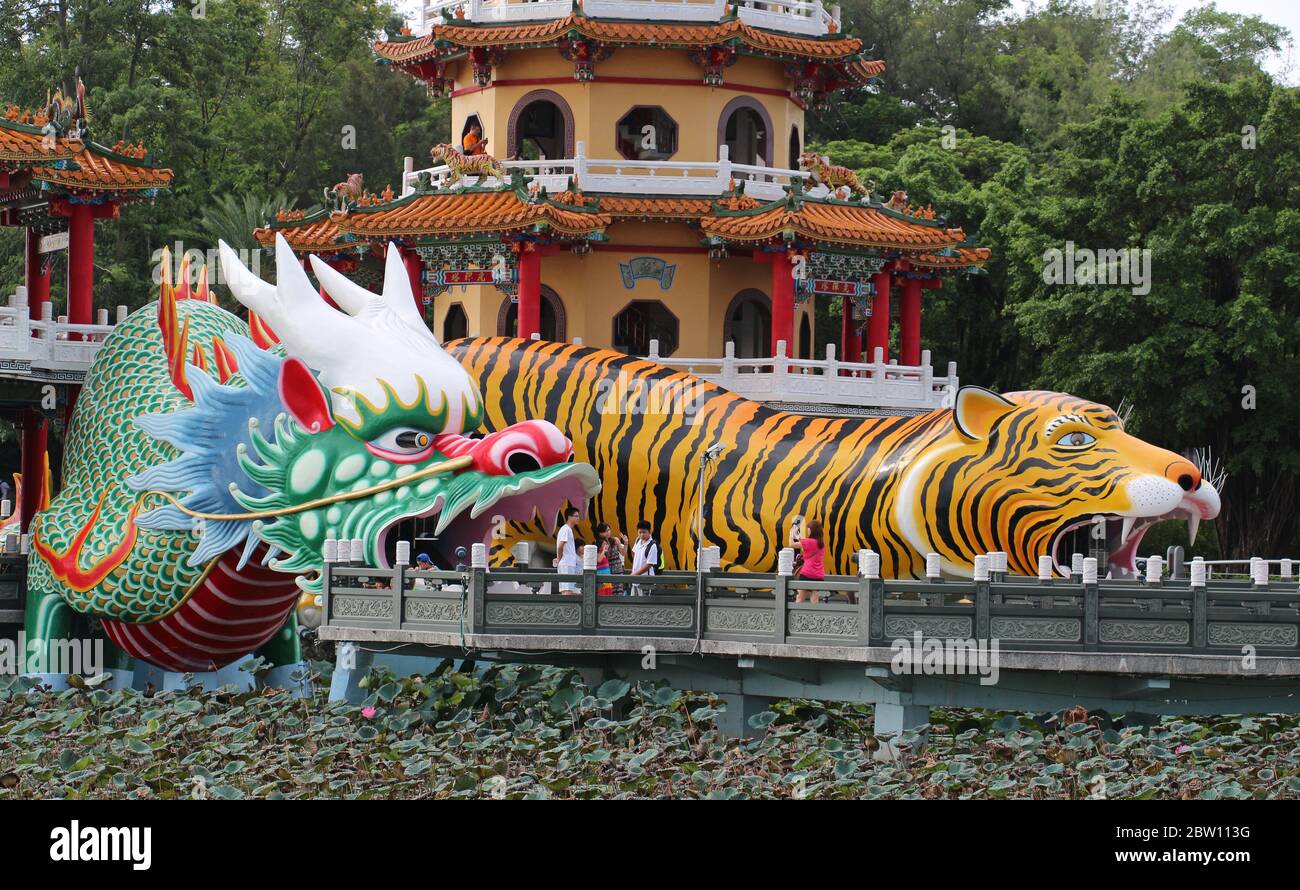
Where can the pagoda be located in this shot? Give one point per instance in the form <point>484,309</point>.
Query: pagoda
<point>645,187</point>
<point>55,181</point>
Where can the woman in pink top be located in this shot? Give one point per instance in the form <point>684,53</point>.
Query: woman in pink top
<point>813,568</point>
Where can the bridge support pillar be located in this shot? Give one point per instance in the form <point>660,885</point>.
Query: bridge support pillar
<point>351,664</point>
<point>734,721</point>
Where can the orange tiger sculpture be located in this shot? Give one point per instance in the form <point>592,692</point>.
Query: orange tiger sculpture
<point>462,165</point>
<point>834,177</point>
<point>1014,472</point>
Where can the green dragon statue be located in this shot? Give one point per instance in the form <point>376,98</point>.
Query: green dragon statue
<point>208,460</point>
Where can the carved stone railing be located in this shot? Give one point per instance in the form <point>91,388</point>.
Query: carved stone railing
<point>877,384</point>
<point>622,176</point>
<point>790,16</point>
<point>48,345</point>
<point>1073,614</point>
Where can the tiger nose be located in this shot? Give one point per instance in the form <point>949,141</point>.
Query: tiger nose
<point>1185,474</point>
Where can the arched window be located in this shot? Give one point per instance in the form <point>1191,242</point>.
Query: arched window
<point>748,324</point>
<point>646,133</point>
<point>642,321</point>
<point>796,148</point>
<point>554,320</point>
<point>540,125</point>
<point>805,338</point>
<point>746,129</point>
<point>456,324</point>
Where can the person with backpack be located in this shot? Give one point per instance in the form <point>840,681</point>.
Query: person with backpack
<point>646,557</point>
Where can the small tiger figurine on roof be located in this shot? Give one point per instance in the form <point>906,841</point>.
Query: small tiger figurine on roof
<point>840,180</point>
<point>462,165</point>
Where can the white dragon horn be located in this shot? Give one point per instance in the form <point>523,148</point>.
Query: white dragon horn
<point>351,297</point>
<point>397,289</point>
<point>246,287</point>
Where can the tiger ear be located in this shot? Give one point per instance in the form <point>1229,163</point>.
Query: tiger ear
<point>976,410</point>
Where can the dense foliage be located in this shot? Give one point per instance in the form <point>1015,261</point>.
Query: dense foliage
<point>1062,125</point>
<point>538,732</point>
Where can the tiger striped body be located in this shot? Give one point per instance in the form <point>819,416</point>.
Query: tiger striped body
<point>994,473</point>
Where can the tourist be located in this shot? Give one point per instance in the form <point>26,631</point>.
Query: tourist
<point>567,561</point>
<point>423,564</point>
<point>474,143</point>
<point>645,556</point>
<point>608,554</point>
<point>812,568</point>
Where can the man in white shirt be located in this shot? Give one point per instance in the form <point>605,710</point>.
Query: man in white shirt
<point>567,561</point>
<point>645,555</point>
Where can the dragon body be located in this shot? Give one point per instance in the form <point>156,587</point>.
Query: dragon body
<point>204,470</point>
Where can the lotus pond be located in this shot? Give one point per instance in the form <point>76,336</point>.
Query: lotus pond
<point>537,732</point>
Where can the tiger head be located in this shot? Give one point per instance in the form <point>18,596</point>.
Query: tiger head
<point>1016,472</point>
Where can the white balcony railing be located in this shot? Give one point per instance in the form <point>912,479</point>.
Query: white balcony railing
<point>681,178</point>
<point>808,17</point>
<point>876,384</point>
<point>49,344</point>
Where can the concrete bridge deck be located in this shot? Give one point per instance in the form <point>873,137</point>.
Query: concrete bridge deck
<point>1121,646</point>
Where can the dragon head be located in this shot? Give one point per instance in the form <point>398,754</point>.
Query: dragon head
<point>360,424</point>
<point>1017,472</point>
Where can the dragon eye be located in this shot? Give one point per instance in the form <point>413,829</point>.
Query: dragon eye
<point>403,440</point>
<point>1075,439</point>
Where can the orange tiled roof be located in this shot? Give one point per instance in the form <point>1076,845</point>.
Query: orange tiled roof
<point>104,170</point>
<point>964,258</point>
<point>313,233</point>
<point>26,144</point>
<point>463,213</point>
<point>833,222</point>
<point>628,33</point>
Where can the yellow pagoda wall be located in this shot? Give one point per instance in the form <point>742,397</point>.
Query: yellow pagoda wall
<point>592,293</point>
<point>596,106</point>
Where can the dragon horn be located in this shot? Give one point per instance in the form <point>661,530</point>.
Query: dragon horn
<point>352,298</point>
<point>397,289</point>
<point>246,287</point>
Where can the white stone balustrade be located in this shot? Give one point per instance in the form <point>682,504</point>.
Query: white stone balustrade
<point>809,18</point>
<point>621,176</point>
<point>876,384</point>
<point>48,344</point>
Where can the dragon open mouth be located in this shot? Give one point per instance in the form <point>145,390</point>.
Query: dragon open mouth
<point>475,520</point>
<point>1124,531</point>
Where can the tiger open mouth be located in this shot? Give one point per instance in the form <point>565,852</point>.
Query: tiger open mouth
<point>1124,531</point>
<point>463,522</point>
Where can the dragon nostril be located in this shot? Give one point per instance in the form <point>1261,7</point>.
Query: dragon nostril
<point>522,462</point>
<point>1186,482</point>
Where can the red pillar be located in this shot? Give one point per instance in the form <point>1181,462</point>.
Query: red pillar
<point>782,302</point>
<point>415,272</point>
<point>530,291</point>
<point>850,334</point>
<point>81,264</point>
<point>909,332</point>
<point>878,326</point>
<point>35,439</point>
